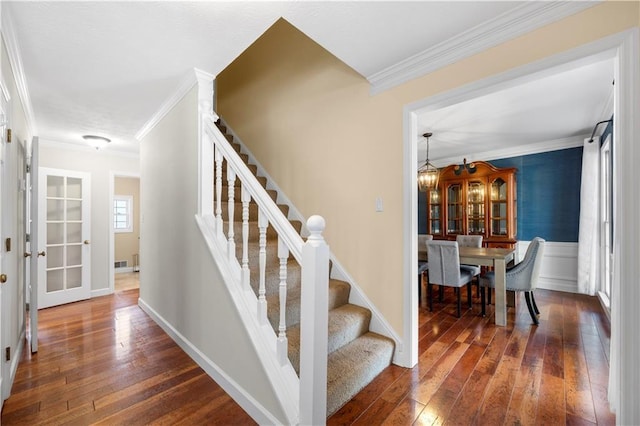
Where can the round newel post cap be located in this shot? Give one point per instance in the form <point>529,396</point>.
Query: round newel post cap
<point>316,225</point>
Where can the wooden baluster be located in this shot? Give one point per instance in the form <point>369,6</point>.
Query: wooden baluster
<point>231,181</point>
<point>314,325</point>
<point>218,160</point>
<point>283,345</point>
<point>246,198</point>
<point>263,222</point>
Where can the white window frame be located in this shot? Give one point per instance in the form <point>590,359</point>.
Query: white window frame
<point>129,200</point>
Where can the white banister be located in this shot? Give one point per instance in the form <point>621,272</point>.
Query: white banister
<point>283,255</point>
<point>314,325</point>
<point>262,290</point>
<point>246,198</point>
<point>231,182</point>
<point>218,173</point>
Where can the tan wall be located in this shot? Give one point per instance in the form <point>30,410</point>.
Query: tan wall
<point>128,243</point>
<point>333,148</point>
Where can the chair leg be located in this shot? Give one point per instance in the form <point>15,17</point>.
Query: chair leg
<point>535,305</point>
<point>459,304</point>
<point>441,294</point>
<point>469,294</point>
<point>420,281</point>
<point>430,296</point>
<point>489,295</point>
<point>483,292</point>
<point>533,315</point>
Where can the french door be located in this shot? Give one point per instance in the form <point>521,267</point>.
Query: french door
<point>64,225</point>
<point>605,218</point>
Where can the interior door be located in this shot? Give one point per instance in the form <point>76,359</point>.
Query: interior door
<point>64,225</point>
<point>3,277</point>
<point>35,250</point>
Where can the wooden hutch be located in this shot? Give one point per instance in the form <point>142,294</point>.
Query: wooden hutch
<point>474,199</point>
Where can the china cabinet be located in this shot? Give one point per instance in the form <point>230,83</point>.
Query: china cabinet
<point>474,199</point>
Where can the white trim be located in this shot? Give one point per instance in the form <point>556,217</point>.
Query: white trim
<point>15,359</point>
<point>559,269</point>
<point>123,270</point>
<point>605,302</point>
<point>5,90</point>
<point>257,412</point>
<point>101,292</point>
<point>516,151</point>
<point>52,144</point>
<point>581,55</point>
<point>186,84</point>
<point>504,27</point>
<point>15,59</point>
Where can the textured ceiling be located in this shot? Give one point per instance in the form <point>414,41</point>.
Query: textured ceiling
<point>106,67</point>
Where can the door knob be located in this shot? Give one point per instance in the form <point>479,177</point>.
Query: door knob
<point>42,253</point>
<point>27,254</point>
<point>3,278</point>
<point>86,241</point>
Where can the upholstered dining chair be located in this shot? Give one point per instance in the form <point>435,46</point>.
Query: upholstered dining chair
<point>423,261</point>
<point>471,241</point>
<point>521,277</point>
<point>444,270</point>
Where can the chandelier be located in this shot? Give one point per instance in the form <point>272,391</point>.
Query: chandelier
<point>428,174</point>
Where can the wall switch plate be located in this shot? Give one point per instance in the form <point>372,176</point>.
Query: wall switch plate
<point>379,204</point>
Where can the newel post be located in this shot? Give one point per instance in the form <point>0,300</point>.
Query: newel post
<point>314,325</point>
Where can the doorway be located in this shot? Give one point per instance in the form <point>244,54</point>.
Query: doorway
<point>125,232</point>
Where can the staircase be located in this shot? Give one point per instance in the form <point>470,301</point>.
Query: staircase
<point>355,354</point>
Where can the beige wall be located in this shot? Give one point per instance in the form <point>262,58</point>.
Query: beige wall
<point>128,243</point>
<point>333,148</point>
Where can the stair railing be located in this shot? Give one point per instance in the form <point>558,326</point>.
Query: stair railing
<point>308,404</point>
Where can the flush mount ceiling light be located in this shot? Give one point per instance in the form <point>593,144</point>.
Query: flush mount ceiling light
<point>96,141</point>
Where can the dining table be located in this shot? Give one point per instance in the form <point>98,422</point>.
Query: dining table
<point>498,259</point>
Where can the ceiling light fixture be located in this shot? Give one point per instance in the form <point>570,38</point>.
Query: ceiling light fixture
<point>96,141</point>
<point>428,175</point>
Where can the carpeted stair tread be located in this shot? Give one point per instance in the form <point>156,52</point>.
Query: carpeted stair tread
<point>355,365</point>
<point>253,212</point>
<point>338,296</point>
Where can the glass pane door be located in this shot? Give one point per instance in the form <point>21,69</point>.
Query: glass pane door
<point>499,202</point>
<point>435,215</point>
<point>475,208</point>
<point>454,209</point>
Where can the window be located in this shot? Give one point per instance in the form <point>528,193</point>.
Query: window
<point>123,213</point>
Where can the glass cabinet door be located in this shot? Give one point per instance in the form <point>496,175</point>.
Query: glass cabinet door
<point>434,224</point>
<point>499,202</point>
<point>476,207</point>
<point>455,208</point>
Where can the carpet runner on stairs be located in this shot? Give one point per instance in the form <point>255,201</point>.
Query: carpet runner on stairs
<point>355,354</point>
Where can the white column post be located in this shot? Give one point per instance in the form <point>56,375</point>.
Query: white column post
<point>263,222</point>
<point>283,344</point>
<point>314,325</point>
<point>246,198</point>
<point>218,160</point>
<point>231,182</point>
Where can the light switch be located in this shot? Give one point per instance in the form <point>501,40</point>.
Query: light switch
<point>379,206</point>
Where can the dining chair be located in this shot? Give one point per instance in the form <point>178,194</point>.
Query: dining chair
<point>423,261</point>
<point>471,241</point>
<point>444,270</point>
<point>521,277</point>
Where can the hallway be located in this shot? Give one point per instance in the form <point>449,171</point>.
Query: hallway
<point>105,361</point>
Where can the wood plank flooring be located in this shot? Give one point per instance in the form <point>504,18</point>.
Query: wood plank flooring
<point>471,372</point>
<point>104,361</point>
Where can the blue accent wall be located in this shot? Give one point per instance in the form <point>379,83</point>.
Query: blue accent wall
<point>548,191</point>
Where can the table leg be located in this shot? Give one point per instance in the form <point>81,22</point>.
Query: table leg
<point>501,292</point>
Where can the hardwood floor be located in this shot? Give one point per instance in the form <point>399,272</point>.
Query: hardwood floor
<point>104,361</point>
<point>126,281</point>
<point>471,372</point>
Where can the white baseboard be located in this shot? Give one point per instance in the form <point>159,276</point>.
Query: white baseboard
<point>123,270</point>
<point>101,292</point>
<point>239,395</point>
<point>15,360</point>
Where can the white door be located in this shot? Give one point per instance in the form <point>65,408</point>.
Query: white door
<point>64,225</point>
<point>3,277</point>
<point>35,250</point>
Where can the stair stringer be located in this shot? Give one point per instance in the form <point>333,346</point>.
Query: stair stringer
<point>283,378</point>
<point>357,296</point>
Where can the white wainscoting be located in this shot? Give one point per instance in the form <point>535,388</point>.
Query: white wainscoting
<point>559,270</point>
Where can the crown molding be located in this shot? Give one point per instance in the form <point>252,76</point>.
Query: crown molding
<point>15,60</point>
<point>183,88</point>
<point>70,146</point>
<point>516,151</point>
<point>504,27</point>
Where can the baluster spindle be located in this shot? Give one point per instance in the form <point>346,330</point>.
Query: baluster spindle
<point>283,345</point>
<point>218,160</point>
<point>231,182</point>
<point>263,222</point>
<point>246,198</point>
